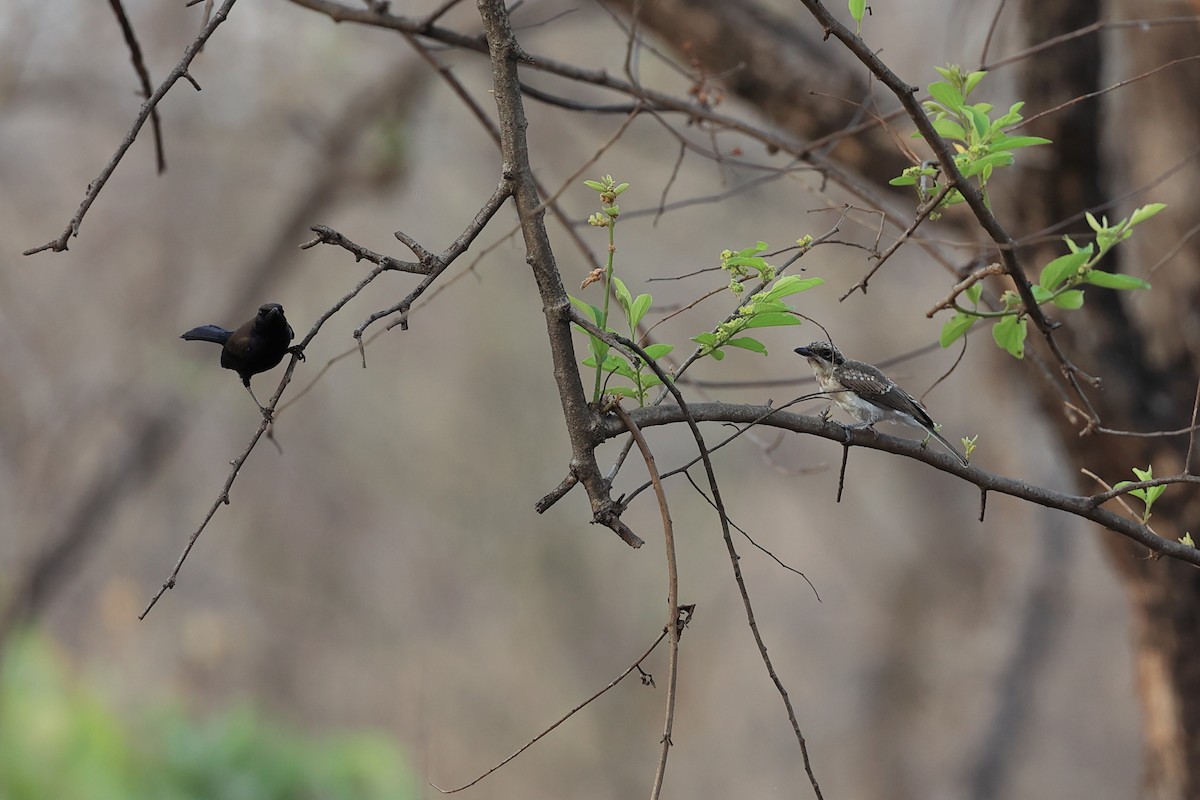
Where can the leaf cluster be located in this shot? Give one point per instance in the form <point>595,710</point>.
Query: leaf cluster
<point>1147,495</point>
<point>1061,284</point>
<point>981,143</point>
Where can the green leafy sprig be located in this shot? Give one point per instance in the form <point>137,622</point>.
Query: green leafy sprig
<point>1147,495</point>
<point>764,309</point>
<point>982,143</point>
<point>1061,284</point>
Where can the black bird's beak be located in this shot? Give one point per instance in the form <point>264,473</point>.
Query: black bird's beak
<point>804,351</point>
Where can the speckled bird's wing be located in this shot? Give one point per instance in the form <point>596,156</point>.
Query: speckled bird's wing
<point>868,382</point>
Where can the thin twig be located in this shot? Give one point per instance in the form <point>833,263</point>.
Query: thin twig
<point>560,720</point>
<point>93,190</point>
<point>923,213</point>
<point>672,597</point>
<point>735,560</point>
<point>139,66</point>
<point>1088,96</point>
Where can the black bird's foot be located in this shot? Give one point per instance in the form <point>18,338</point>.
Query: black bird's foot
<point>297,350</point>
<point>826,413</point>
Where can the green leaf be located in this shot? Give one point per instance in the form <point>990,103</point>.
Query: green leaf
<point>955,328</point>
<point>903,180</point>
<point>1070,299</point>
<point>1009,334</point>
<point>623,295</point>
<point>754,250</point>
<point>717,355</point>
<point>640,306</point>
<point>1153,493</point>
<point>857,9</point>
<point>979,120</point>
<point>791,284</point>
<point>946,94</point>
<point>771,319</point>
<point>747,343</point>
<point>999,159</point>
<point>1114,280</point>
<point>610,363</point>
<point>597,185</point>
<point>1145,212</point>
<point>657,351</point>
<point>1016,142</point>
<point>757,262</point>
<point>1013,116</point>
<point>762,306</point>
<point>705,339</point>
<point>599,349</point>
<point>972,81</point>
<point>1063,267</point>
<point>1146,474</point>
<point>587,308</point>
<point>623,391</point>
<point>974,292</point>
<point>1040,294</point>
<point>949,129</point>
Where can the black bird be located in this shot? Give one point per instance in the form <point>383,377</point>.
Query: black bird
<point>255,347</point>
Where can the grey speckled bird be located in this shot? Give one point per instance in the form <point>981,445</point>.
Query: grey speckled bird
<point>866,394</point>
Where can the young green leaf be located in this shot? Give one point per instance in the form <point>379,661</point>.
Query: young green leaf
<point>1009,334</point>
<point>1114,280</point>
<point>638,309</point>
<point>1063,267</point>
<point>791,284</point>
<point>955,328</point>
<point>979,120</point>
<point>946,94</point>
<point>857,9</point>
<point>1040,294</point>
<point>972,81</point>
<point>771,319</point>
<point>657,351</point>
<point>974,292</point>
<point>1070,299</point>
<point>747,343</point>
<point>587,309</point>
<point>1145,212</point>
<point>1016,142</point>
<point>949,129</point>
<point>623,295</point>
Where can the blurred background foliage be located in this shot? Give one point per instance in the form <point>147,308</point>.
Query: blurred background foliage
<point>62,739</point>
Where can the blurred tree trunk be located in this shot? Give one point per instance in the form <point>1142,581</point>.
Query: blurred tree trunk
<point>1145,345</point>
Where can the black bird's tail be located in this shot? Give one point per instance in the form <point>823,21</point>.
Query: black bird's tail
<point>207,333</point>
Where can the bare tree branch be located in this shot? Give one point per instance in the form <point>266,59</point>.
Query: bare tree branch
<point>180,71</point>
<point>1083,506</point>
